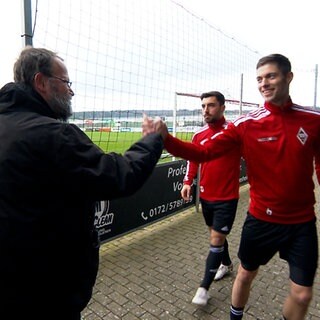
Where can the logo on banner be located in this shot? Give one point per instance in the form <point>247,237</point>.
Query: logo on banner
<point>103,217</point>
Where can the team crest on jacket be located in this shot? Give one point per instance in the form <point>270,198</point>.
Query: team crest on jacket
<point>302,136</point>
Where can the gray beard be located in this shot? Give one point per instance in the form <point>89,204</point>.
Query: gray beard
<point>61,107</point>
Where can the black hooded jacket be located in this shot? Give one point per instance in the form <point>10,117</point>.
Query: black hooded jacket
<point>51,175</point>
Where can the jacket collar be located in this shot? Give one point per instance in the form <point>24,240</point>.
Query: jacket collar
<point>274,108</point>
<point>19,97</point>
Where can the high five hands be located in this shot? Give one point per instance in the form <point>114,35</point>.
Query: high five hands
<point>150,125</point>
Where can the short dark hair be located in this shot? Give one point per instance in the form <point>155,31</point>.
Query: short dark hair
<point>31,61</point>
<point>281,61</point>
<point>217,94</point>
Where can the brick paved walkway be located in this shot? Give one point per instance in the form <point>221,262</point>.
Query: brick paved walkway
<point>153,273</point>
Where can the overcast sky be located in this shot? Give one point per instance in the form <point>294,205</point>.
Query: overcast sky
<point>289,27</point>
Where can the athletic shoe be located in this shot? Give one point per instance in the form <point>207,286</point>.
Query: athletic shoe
<point>222,271</point>
<point>201,297</point>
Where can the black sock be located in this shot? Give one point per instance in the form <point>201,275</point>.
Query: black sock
<point>236,313</point>
<point>212,264</point>
<point>226,257</point>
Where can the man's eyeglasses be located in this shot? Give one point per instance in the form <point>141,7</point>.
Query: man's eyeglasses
<point>68,83</point>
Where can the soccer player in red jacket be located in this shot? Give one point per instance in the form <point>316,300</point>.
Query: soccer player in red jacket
<point>219,193</point>
<point>280,143</point>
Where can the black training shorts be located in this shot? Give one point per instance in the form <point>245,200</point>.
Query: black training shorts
<point>296,243</point>
<point>219,215</point>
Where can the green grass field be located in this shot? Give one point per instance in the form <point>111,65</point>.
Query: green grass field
<point>119,142</point>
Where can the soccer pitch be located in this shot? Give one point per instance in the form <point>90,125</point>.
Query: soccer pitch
<point>119,142</point>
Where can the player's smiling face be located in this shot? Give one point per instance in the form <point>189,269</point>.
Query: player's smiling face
<point>273,84</point>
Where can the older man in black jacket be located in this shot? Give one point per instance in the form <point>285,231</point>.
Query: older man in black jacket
<point>51,175</point>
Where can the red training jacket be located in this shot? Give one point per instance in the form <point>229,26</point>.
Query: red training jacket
<point>279,145</point>
<point>219,178</point>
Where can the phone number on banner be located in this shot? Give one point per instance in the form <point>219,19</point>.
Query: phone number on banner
<point>164,208</point>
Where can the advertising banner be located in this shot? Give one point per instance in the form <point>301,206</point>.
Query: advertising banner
<point>158,198</point>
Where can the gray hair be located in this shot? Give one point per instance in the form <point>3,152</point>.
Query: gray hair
<point>31,61</point>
